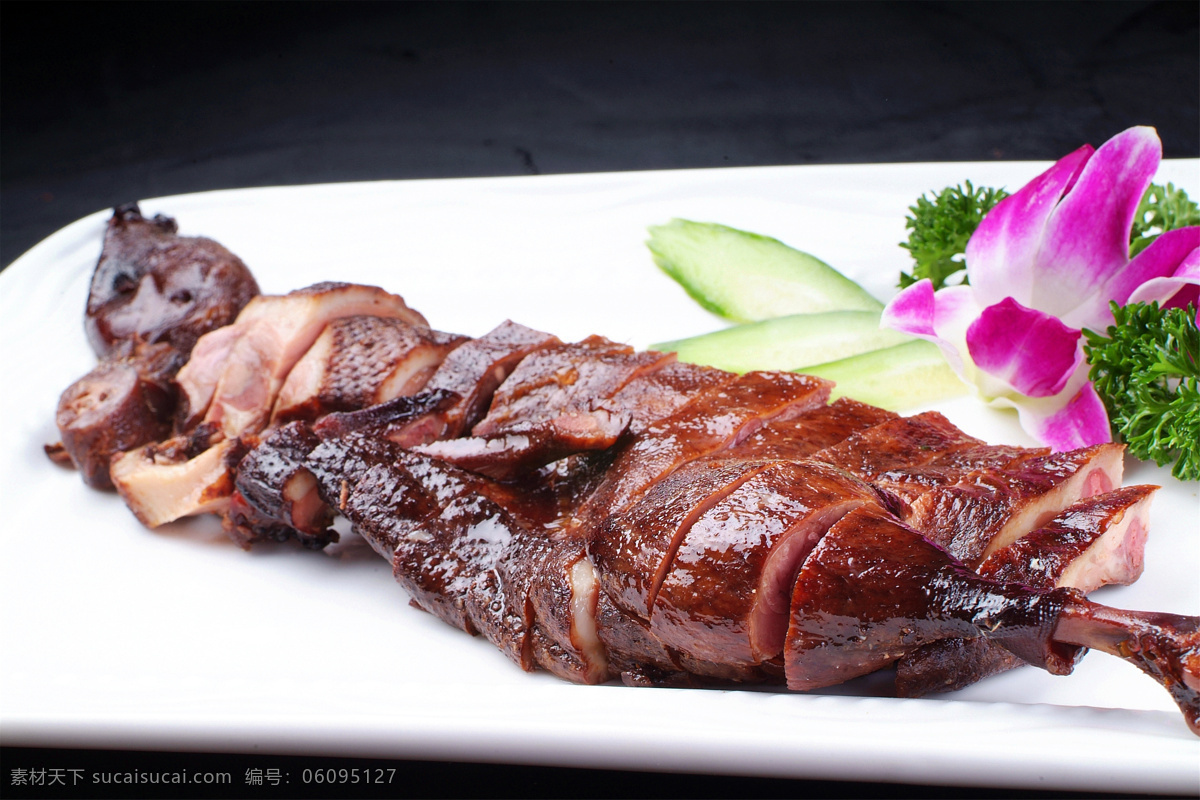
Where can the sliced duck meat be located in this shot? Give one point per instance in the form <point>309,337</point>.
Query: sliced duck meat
<point>498,604</point>
<point>989,509</point>
<point>555,403</point>
<point>564,380</point>
<point>653,394</point>
<point>438,556</point>
<point>632,549</point>
<point>948,468</point>
<point>277,496</point>
<point>163,482</point>
<point>359,362</point>
<point>811,432</point>
<point>273,333</point>
<point>475,369</point>
<point>520,451</point>
<point>1097,541</point>
<point>710,422</point>
<point>896,444</point>
<point>727,593</point>
<point>121,404</point>
<point>407,420</point>
<point>152,285</point>
<point>198,378</point>
<point>874,589</point>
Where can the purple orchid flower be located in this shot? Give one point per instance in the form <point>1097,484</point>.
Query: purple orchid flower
<point>1042,266</point>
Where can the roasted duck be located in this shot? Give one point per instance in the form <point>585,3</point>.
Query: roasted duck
<point>604,513</point>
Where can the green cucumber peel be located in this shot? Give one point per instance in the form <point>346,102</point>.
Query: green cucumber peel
<point>787,343</point>
<point>897,378</point>
<point>746,277</point>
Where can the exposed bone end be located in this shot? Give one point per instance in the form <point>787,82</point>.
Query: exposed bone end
<point>160,487</point>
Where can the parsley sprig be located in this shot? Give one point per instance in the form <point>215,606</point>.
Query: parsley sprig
<point>1147,372</point>
<point>939,230</point>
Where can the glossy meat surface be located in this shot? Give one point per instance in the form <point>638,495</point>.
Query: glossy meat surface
<point>874,590</point>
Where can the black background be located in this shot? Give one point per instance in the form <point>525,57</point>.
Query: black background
<point>106,103</point>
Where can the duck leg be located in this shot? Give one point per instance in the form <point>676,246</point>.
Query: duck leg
<point>874,590</point>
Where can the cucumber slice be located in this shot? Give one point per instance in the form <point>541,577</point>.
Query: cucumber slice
<point>896,378</point>
<point>787,343</point>
<point>746,277</point>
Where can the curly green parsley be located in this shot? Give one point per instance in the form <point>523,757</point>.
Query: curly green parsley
<point>1147,371</point>
<point>939,230</point>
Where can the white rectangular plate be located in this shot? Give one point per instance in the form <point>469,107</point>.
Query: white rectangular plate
<point>116,636</point>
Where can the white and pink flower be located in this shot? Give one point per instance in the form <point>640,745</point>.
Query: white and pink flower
<point>1042,266</point>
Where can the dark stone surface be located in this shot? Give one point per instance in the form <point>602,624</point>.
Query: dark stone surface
<point>104,103</point>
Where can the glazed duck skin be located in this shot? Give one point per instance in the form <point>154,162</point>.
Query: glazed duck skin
<point>874,590</point>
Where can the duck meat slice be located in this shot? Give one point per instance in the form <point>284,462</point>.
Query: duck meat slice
<point>358,362</point>
<point>521,451</point>
<point>475,369</point>
<point>572,399</point>
<point>407,420</point>
<point>121,404</point>
<point>653,394</point>
<point>564,380</point>
<point>1097,541</point>
<point>874,589</point>
<point>565,594</point>
<point>152,285</point>
<point>632,548</point>
<point>987,510</point>
<point>538,605</point>
<point>709,423</point>
<point>634,654</point>
<point>820,428</point>
<point>950,467</point>
<point>555,403</point>
<point>272,333</point>
<point>897,444</point>
<point>726,595</point>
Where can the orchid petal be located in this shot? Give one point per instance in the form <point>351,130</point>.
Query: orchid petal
<point>1081,422</point>
<point>911,311</point>
<point>1169,289</point>
<point>1002,253</point>
<point>941,318</point>
<point>1086,238</point>
<point>1028,350</point>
